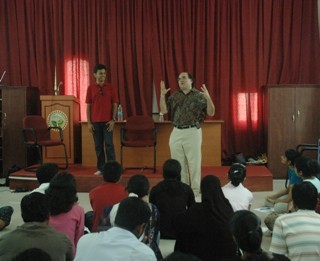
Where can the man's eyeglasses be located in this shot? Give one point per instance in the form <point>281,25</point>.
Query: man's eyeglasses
<point>100,90</point>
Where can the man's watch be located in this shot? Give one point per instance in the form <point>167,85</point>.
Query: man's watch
<point>114,119</point>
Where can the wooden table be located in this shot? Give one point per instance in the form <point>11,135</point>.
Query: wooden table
<point>132,157</point>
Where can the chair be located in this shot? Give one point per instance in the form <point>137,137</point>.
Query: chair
<point>36,134</point>
<point>139,132</point>
<point>304,147</point>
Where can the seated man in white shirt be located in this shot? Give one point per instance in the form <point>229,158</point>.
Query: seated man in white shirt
<point>297,234</point>
<point>119,242</point>
<point>44,175</point>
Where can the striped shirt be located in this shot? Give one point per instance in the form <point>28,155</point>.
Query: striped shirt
<point>297,235</point>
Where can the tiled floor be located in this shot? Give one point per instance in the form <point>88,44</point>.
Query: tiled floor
<point>9,198</point>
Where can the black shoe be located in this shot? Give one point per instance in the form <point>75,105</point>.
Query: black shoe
<point>5,214</point>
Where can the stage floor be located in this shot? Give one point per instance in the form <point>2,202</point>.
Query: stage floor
<point>259,178</point>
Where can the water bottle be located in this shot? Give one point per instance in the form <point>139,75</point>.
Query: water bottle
<point>120,113</point>
<point>160,117</point>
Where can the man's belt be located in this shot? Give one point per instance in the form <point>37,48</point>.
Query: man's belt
<point>185,126</point>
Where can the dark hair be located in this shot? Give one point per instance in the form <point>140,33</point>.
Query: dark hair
<point>245,226</point>
<point>307,166</point>
<point>139,185</point>
<point>112,171</point>
<point>213,198</point>
<point>178,256</point>
<point>171,169</point>
<point>131,213</point>
<point>98,67</point>
<point>291,155</point>
<point>237,173</point>
<point>32,254</point>
<point>46,172</point>
<point>35,207</point>
<point>62,193</point>
<point>305,195</point>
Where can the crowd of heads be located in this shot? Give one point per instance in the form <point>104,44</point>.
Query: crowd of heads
<point>306,167</point>
<point>245,226</point>
<point>133,213</point>
<point>46,172</point>
<point>112,171</point>
<point>62,193</point>
<point>35,207</point>
<point>138,185</point>
<point>171,169</point>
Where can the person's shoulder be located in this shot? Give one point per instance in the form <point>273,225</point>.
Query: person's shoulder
<point>143,252</point>
<point>158,187</point>
<point>78,207</point>
<point>105,186</point>
<point>91,86</point>
<point>186,187</point>
<point>228,186</point>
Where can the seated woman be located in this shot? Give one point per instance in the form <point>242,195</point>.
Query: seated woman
<point>238,195</point>
<point>138,186</point>
<point>246,229</point>
<point>203,229</point>
<point>66,215</point>
<point>171,197</point>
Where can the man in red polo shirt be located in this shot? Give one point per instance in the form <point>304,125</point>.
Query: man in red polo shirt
<point>102,103</point>
<point>107,194</point>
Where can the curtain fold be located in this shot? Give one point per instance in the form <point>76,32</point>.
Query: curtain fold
<point>26,45</point>
<point>234,47</point>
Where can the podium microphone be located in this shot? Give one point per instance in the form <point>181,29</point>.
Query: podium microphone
<point>2,76</point>
<point>56,92</point>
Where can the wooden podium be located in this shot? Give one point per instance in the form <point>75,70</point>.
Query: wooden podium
<point>62,111</point>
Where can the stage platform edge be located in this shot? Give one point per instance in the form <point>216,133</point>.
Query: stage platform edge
<point>259,178</point>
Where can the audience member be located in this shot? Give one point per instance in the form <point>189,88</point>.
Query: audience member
<point>138,186</point>
<point>282,200</point>
<point>203,230</point>
<point>35,232</point>
<point>172,197</point>
<point>107,194</point>
<point>33,254</point>
<point>308,169</point>
<point>66,215</point>
<point>296,235</point>
<point>5,216</point>
<point>44,174</point>
<point>246,229</point>
<point>239,197</point>
<point>121,241</point>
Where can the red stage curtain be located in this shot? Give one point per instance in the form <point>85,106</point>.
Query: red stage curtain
<point>27,43</point>
<point>234,47</point>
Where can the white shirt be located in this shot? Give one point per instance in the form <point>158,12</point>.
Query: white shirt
<point>239,197</point>
<point>315,182</point>
<point>42,188</point>
<point>112,245</point>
